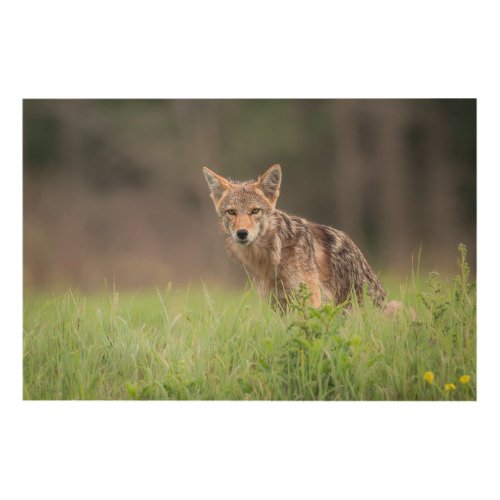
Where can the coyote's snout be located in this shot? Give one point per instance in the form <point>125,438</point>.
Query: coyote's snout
<point>281,251</point>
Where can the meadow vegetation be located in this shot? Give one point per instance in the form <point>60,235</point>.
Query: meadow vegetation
<point>229,345</point>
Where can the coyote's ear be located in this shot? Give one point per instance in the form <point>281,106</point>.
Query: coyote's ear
<point>216,183</point>
<point>270,182</point>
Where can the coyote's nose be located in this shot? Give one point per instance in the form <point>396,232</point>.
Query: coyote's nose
<point>242,234</point>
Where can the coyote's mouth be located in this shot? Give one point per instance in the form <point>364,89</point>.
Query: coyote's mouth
<point>243,243</point>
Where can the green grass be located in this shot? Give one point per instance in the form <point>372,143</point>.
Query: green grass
<point>232,346</point>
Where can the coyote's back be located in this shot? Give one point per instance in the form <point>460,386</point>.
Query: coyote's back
<point>280,251</point>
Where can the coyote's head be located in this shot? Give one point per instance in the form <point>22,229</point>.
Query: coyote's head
<point>244,207</point>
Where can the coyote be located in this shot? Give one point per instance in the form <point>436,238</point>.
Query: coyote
<point>281,251</point>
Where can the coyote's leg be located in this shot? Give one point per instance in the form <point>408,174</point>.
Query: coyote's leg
<point>316,292</point>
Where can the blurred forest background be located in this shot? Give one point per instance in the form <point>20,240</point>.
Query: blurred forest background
<point>113,189</point>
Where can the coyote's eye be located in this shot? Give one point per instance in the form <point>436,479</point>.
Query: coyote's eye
<point>255,211</point>
<point>231,211</point>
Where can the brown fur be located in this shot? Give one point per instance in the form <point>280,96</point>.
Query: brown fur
<point>282,250</point>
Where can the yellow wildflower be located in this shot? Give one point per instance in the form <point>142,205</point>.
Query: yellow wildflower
<point>449,387</point>
<point>429,377</point>
<point>464,379</point>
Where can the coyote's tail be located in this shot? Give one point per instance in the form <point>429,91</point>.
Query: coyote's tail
<point>394,307</point>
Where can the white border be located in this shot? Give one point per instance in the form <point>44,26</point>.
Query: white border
<point>260,49</point>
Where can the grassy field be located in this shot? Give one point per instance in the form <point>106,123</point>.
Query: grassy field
<point>223,345</point>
